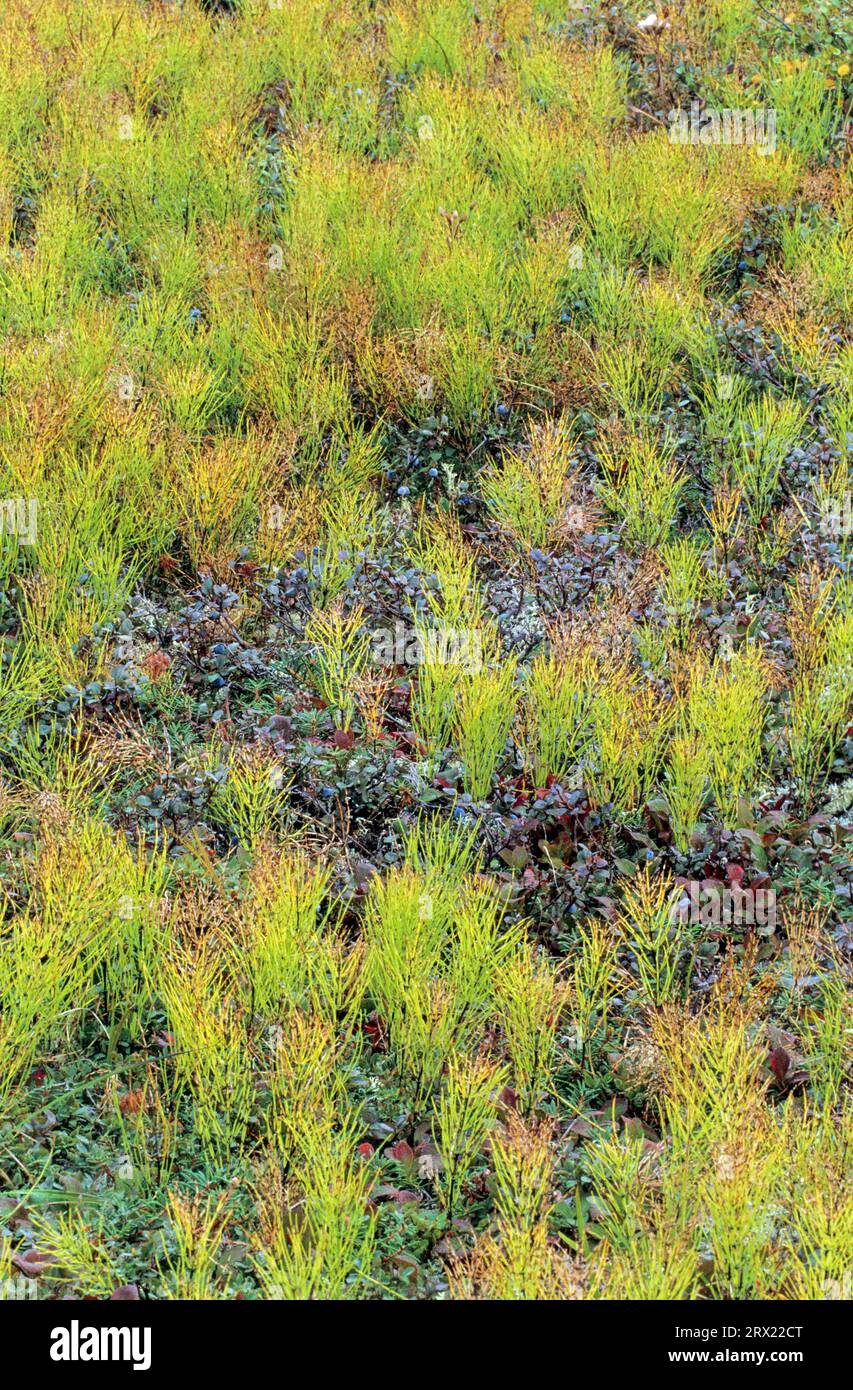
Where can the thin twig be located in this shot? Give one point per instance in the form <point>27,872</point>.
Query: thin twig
<point>774,17</point>
<point>638,111</point>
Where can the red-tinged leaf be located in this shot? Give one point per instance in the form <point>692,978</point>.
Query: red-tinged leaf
<point>735,873</point>
<point>608,908</point>
<point>375,1033</point>
<point>508,1098</point>
<point>779,1064</point>
<point>12,1211</point>
<point>401,1152</point>
<point>388,1192</point>
<point>614,1108</point>
<point>516,857</point>
<point>365,1150</point>
<point>32,1262</point>
<point>125,1293</point>
<point>343,738</point>
<point>753,837</point>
